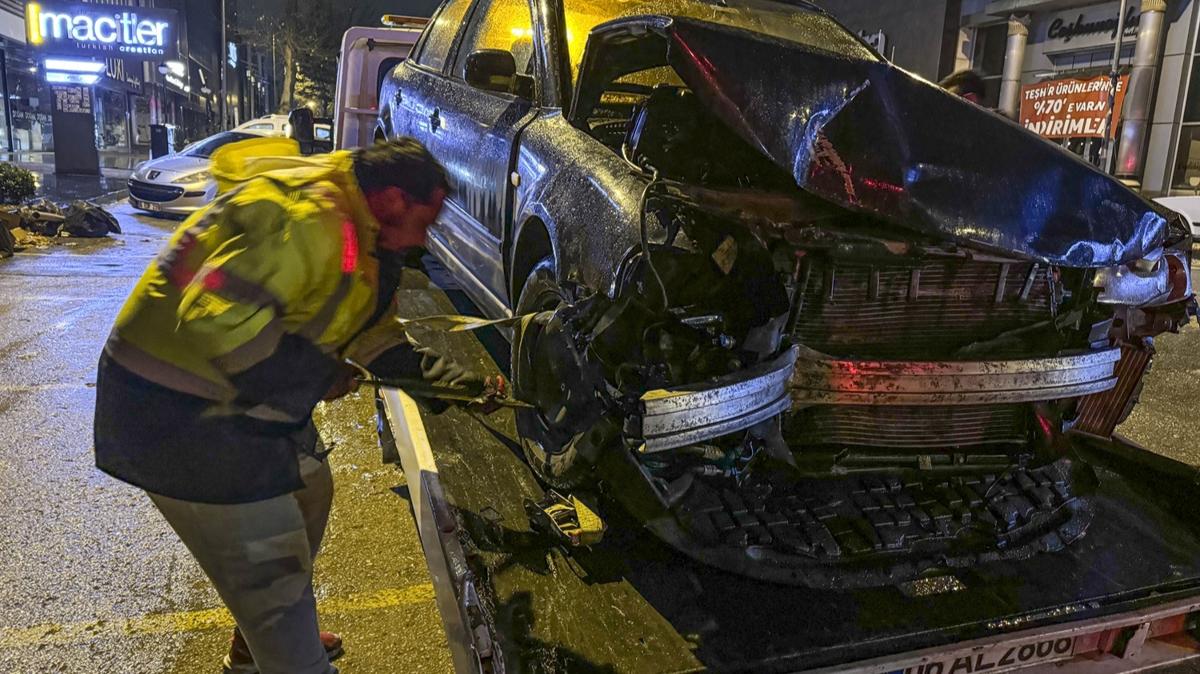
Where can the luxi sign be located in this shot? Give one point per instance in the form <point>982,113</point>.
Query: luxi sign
<point>111,31</point>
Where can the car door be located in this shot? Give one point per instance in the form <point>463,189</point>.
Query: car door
<point>419,82</point>
<point>475,139</point>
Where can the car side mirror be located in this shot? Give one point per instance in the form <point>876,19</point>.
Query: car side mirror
<point>491,70</point>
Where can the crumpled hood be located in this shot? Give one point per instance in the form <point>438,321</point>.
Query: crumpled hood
<point>875,139</point>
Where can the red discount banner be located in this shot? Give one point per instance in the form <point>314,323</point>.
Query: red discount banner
<point>1071,108</point>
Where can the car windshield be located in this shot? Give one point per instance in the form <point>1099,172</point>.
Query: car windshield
<point>792,21</point>
<point>205,148</point>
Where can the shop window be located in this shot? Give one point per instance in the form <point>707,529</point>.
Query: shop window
<point>1191,111</point>
<point>1187,159</point>
<point>141,119</point>
<point>989,49</point>
<point>29,102</point>
<point>112,120</point>
<point>988,60</point>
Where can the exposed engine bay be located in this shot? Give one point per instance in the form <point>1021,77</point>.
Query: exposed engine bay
<point>805,389</point>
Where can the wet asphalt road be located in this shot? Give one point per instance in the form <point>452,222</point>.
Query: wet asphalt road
<point>91,578</point>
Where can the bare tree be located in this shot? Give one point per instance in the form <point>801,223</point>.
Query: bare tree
<point>306,36</point>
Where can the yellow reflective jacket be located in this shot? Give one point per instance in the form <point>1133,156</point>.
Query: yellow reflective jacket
<point>285,252</point>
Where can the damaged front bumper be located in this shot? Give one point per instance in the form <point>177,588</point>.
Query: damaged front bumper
<point>822,380</point>
<point>681,416</point>
<point>687,415</point>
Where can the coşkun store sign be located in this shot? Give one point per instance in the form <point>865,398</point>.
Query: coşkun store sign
<point>1071,108</point>
<point>112,31</point>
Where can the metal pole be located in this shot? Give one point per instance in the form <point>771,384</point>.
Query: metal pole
<point>224,52</point>
<point>1014,63</point>
<point>1139,94</point>
<point>273,102</point>
<point>1109,155</point>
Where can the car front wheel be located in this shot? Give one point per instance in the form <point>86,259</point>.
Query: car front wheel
<point>548,372</point>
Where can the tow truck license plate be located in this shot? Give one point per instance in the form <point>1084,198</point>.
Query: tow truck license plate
<point>1002,657</point>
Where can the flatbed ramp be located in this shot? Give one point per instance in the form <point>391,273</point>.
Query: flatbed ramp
<point>515,601</point>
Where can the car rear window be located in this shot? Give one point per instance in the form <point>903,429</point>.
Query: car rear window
<point>439,36</point>
<point>793,22</point>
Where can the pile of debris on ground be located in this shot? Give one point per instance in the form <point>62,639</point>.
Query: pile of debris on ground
<point>39,223</point>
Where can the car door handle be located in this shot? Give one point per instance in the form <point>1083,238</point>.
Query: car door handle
<point>435,120</point>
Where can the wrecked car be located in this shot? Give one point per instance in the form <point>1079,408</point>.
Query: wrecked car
<point>806,316</point>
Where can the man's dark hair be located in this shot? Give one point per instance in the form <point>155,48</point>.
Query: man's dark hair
<point>400,162</point>
<point>964,82</point>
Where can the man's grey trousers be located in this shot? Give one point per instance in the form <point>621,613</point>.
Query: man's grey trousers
<point>260,558</point>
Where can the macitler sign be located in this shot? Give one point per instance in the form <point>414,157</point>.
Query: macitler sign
<point>1071,108</point>
<point>109,31</point>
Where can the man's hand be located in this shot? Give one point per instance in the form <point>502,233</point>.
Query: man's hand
<point>345,383</point>
<point>495,389</point>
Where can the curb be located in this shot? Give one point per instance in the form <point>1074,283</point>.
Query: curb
<point>109,197</point>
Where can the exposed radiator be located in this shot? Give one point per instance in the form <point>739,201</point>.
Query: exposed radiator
<point>1100,413</point>
<point>926,311</point>
<point>911,427</point>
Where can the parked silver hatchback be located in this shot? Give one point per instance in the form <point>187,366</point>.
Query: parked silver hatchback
<point>180,183</point>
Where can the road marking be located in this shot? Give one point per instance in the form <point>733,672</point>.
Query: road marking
<point>45,387</point>
<point>65,298</point>
<point>55,634</point>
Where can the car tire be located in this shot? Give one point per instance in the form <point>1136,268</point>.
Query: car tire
<point>555,459</point>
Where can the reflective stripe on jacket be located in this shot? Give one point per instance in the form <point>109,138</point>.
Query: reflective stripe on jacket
<point>287,252</point>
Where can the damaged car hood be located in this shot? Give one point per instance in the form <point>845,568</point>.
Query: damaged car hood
<point>874,139</point>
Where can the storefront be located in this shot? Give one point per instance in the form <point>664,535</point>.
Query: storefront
<point>29,126</point>
<point>1050,69</point>
<point>102,49</point>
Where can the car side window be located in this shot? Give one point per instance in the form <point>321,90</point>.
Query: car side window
<point>261,127</point>
<point>439,36</point>
<point>506,25</point>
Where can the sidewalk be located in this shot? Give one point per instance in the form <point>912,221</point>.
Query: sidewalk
<point>115,169</point>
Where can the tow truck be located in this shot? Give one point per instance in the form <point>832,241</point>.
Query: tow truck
<point>515,597</point>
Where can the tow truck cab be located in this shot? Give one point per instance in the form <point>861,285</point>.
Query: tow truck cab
<point>367,54</point>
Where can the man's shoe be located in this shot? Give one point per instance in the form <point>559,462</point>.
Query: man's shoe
<point>239,660</point>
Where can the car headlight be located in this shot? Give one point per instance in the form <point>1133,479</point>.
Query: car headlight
<point>199,176</point>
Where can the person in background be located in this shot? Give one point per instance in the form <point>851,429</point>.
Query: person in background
<point>966,84</point>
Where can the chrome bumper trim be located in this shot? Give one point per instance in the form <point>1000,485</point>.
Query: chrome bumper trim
<point>686,415</point>
<point>823,381</point>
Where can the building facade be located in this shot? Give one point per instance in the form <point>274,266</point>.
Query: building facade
<point>1049,64</point>
<point>181,93</point>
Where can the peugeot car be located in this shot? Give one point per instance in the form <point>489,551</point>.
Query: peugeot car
<point>180,183</point>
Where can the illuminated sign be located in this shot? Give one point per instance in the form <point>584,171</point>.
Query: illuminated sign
<point>113,31</point>
<point>175,74</point>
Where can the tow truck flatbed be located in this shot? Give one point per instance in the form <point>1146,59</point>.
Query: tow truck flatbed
<point>515,601</point>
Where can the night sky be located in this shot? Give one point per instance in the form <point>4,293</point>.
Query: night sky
<point>248,9</point>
